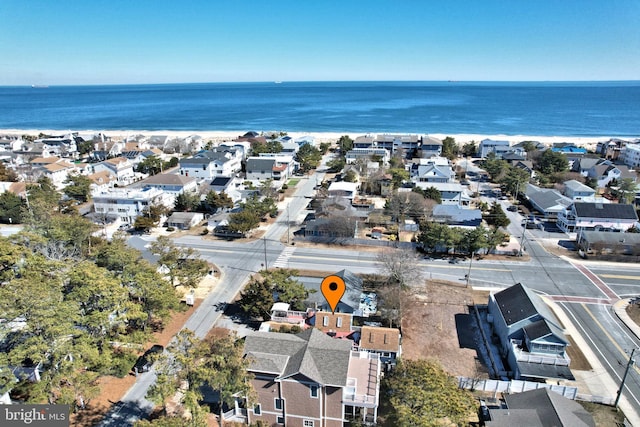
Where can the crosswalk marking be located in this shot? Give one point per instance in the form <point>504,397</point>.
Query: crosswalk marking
<point>283,259</point>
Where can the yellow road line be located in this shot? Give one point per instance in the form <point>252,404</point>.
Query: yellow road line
<point>622,352</point>
<point>619,276</point>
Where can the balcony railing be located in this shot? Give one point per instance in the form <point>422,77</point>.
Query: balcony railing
<point>541,358</point>
<point>237,415</point>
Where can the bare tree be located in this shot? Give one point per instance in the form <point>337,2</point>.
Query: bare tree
<point>401,266</point>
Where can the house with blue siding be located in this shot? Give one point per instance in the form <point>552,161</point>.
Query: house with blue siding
<point>530,336</point>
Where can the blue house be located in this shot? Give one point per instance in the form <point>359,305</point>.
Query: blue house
<point>530,335</point>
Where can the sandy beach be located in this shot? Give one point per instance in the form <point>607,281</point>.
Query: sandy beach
<point>227,135</point>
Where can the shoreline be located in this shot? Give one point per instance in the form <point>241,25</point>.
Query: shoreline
<point>224,135</point>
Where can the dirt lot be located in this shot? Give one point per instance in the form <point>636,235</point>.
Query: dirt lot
<point>431,319</point>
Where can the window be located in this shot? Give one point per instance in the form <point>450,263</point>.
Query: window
<point>279,404</point>
<point>325,321</point>
<point>314,390</point>
<point>280,420</point>
<point>307,423</point>
<point>339,322</point>
<point>257,410</point>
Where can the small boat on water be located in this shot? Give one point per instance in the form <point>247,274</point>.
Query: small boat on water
<point>39,86</point>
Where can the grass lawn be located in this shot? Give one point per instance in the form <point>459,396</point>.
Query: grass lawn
<point>293,181</point>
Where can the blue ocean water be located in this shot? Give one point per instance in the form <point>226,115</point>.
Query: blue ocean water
<point>545,108</point>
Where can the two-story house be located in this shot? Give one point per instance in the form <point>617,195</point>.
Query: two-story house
<point>630,155</point>
<point>310,380</point>
<point>430,147</point>
<point>597,216</point>
<point>577,191</point>
<point>210,164</point>
<point>270,166</point>
<point>531,337</point>
<point>352,156</point>
<point>119,167</point>
<point>127,204</point>
<point>605,172</point>
<point>435,169</point>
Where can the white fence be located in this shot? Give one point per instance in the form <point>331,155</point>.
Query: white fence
<point>518,386</point>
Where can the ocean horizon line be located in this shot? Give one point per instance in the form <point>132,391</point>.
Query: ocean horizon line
<point>44,85</point>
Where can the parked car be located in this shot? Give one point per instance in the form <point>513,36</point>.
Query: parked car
<point>144,362</point>
<point>512,208</point>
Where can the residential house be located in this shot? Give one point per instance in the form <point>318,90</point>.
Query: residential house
<point>119,167</point>
<point>604,242</point>
<point>385,342</point>
<point>539,407</point>
<point>310,380</point>
<point>451,193</point>
<point>270,166</point>
<point>61,146</point>
<point>457,215</point>
<point>354,301</point>
<point>612,149</point>
<point>531,337</point>
<point>568,148</point>
<point>436,169</point>
<point>390,142</point>
<point>54,168</point>
<point>581,216</point>
<point>584,164</point>
<point>605,173</point>
<point>525,165</point>
<point>352,156</point>
<point>306,139</point>
<point>343,189</point>
<point>430,147</point>
<point>232,187</point>
<point>241,147</point>
<point>184,220</point>
<point>170,183</point>
<point>210,164</point>
<point>101,181</point>
<point>138,156</point>
<point>577,191</point>
<point>548,202</point>
<point>499,148</point>
<point>631,155</point>
<point>128,204</point>
<point>512,157</point>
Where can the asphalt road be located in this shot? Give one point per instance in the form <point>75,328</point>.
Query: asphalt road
<point>584,290</point>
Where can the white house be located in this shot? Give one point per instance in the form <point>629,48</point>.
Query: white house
<point>270,166</point>
<point>598,217</point>
<point>630,155</point>
<point>209,164</point>
<point>128,204</point>
<point>119,167</point>
<point>356,154</point>
<point>436,169</point>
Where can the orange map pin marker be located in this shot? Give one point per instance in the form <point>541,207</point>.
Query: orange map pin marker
<point>333,289</point>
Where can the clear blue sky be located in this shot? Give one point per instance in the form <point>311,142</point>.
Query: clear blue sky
<point>156,41</point>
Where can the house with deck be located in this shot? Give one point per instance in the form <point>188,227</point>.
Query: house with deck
<point>597,216</point>
<point>309,380</point>
<point>209,164</point>
<point>530,336</point>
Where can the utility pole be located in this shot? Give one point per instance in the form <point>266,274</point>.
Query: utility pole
<point>469,272</point>
<point>624,377</point>
<point>288,223</point>
<point>266,266</point>
<point>524,230</point>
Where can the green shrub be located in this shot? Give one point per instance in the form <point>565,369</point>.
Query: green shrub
<point>171,229</point>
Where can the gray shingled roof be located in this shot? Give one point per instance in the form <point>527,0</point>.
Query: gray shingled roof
<point>311,353</point>
<point>552,408</point>
<point>578,186</point>
<point>518,302</point>
<point>169,179</point>
<point>605,210</point>
<point>542,328</point>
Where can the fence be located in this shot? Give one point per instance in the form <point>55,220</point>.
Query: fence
<point>518,386</point>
